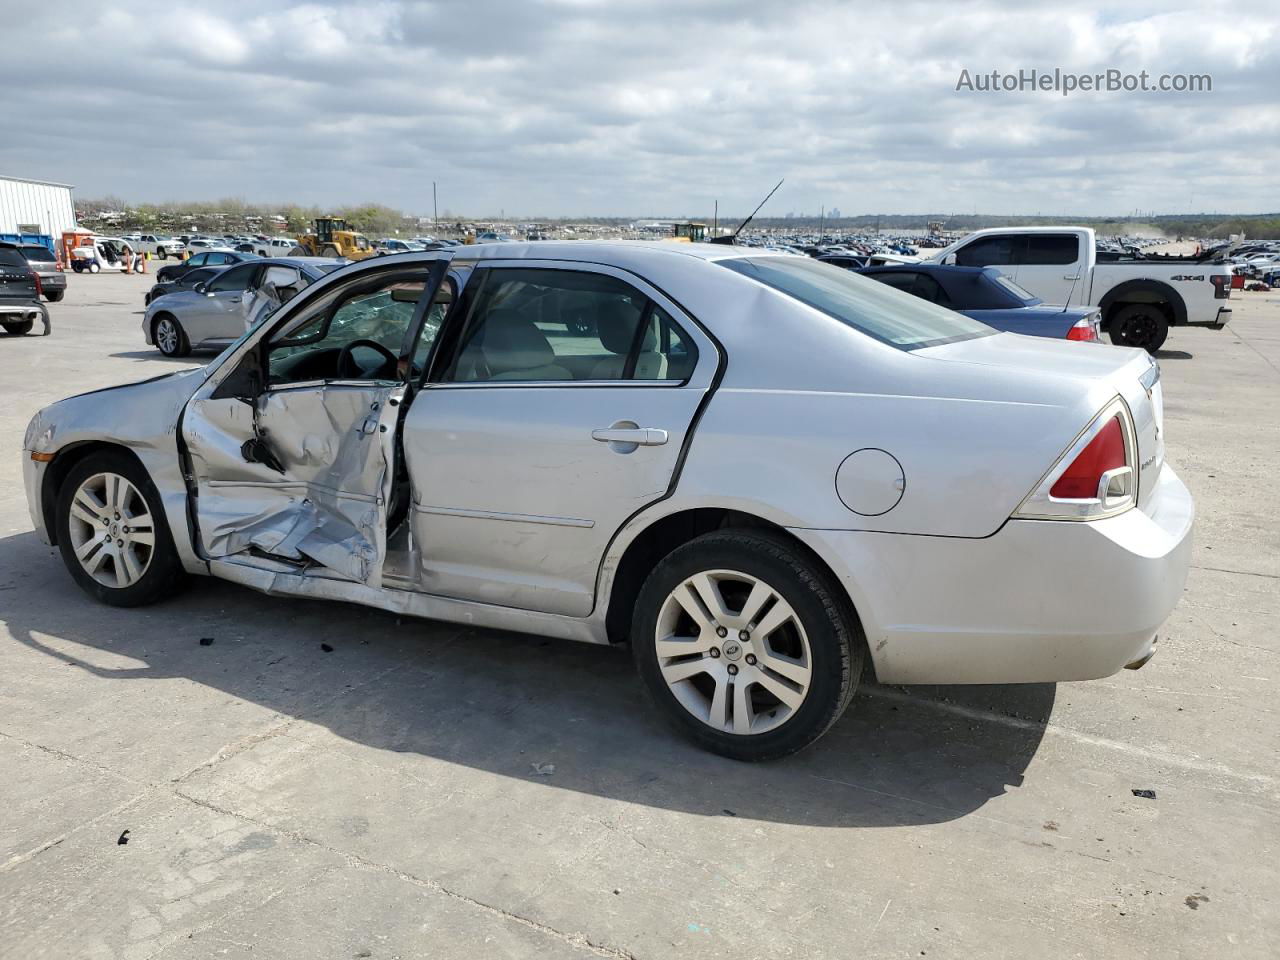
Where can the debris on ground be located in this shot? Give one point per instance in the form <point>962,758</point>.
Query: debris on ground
<point>1195,899</point>
<point>206,641</point>
<point>1145,794</point>
<point>123,839</point>
<point>326,648</point>
<point>543,769</point>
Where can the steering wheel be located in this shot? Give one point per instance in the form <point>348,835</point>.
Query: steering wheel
<point>347,367</point>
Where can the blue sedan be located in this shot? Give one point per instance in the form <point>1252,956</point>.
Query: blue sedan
<point>986,294</point>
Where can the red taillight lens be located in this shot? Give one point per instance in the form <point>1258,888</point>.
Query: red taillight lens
<point>1104,452</point>
<point>1083,330</point>
<point>1221,286</point>
<point>39,289</point>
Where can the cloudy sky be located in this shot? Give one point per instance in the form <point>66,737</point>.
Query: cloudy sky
<point>651,107</point>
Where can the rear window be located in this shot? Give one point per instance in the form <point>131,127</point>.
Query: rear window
<point>888,315</point>
<point>38,253</point>
<point>10,257</point>
<point>1020,292</point>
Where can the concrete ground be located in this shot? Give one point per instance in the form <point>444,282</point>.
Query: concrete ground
<point>395,797</point>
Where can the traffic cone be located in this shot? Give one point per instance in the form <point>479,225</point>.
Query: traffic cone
<point>142,262</point>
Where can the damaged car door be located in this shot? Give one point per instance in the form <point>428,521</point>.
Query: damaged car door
<point>293,453</point>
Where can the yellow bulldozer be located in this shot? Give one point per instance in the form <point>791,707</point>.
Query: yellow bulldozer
<point>331,238</point>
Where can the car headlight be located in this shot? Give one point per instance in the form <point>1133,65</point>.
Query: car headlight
<point>39,435</point>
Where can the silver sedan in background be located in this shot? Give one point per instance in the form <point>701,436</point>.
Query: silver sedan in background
<point>758,470</point>
<point>217,311</point>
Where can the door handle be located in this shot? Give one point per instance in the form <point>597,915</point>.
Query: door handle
<point>235,300</point>
<point>641,436</point>
<point>1070,276</point>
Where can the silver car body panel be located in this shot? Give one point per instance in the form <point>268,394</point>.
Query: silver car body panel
<point>519,519</point>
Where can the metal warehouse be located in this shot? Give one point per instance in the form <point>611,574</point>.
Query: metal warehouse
<point>35,206</point>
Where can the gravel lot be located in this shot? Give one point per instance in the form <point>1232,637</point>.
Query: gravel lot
<point>382,800</point>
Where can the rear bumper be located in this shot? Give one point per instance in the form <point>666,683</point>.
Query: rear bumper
<point>1220,320</point>
<point>1038,601</point>
<point>15,311</point>
<point>53,281</point>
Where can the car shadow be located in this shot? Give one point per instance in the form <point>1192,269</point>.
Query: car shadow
<point>1174,355</point>
<point>498,702</point>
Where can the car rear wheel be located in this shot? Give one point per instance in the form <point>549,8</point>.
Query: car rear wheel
<point>169,337</point>
<point>1139,325</point>
<point>746,646</point>
<point>19,328</point>
<point>112,532</point>
<point>55,296</point>
<point>94,268</point>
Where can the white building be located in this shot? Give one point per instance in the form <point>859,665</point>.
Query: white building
<point>35,206</point>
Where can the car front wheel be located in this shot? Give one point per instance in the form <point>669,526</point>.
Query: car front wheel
<point>746,646</point>
<point>169,337</point>
<point>112,532</point>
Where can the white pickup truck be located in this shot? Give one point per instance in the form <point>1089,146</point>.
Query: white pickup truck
<point>161,247</point>
<point>1140,297</point>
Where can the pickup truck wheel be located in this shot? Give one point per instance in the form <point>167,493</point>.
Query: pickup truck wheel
<point>745,646</point>
<point>18,328</point>
<point>112,532</point>
<point>169,337</point>
<point>162,253</point>
<point>55,296</point>
<point>1139,325</point>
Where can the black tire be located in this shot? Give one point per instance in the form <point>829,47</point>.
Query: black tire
<point>179,347</point>
<point>1142,325</point>
<point>19,328</point>
<point>162,253</point>
<point>55,296</point>
<point>836,642</point>
<point>163,575</point>
<point>330,250</point>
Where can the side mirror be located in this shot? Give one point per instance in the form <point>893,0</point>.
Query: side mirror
<point>949,259</point>
<point>199,287</point>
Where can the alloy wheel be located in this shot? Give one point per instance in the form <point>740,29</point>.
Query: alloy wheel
<point>733,652</point>
<point>112,531</point>
<point>167,336</point>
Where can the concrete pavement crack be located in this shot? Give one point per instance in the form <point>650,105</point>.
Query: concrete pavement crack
<point>573,939</point>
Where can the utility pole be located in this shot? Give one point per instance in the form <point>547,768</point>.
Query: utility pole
<point>435,209</point>
<point>822,220</point>
<point>715,221</point>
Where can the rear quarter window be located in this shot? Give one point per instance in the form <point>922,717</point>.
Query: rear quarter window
<point>41,254</point>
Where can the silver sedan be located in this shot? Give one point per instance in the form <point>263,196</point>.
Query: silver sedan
<point>217,311</point>
<point>759,471</point>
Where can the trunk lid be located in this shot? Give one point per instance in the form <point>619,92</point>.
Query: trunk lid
<point>1129,372</point>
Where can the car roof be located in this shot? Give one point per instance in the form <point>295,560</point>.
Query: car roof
<point>926,267</point>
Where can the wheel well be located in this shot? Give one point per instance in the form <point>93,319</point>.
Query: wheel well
<point>1151,292</point>
<point>56,473</point>
<point>659,539</point>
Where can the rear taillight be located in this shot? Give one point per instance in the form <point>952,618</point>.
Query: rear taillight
<point>1095,477</point>
<point>1103,454</point>
<point>1221,285</point>
<point>1084,330</point>
<point>39,289</point>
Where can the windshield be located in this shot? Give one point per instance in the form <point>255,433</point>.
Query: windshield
<point>879,311</point>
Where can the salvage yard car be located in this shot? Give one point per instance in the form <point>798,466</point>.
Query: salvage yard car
<point>210,314</point>
<point>985,294</point>
<point>1140,298</point>
<point>758,470</point>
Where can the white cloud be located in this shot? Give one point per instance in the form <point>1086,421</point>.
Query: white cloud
<point>648,106</point>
